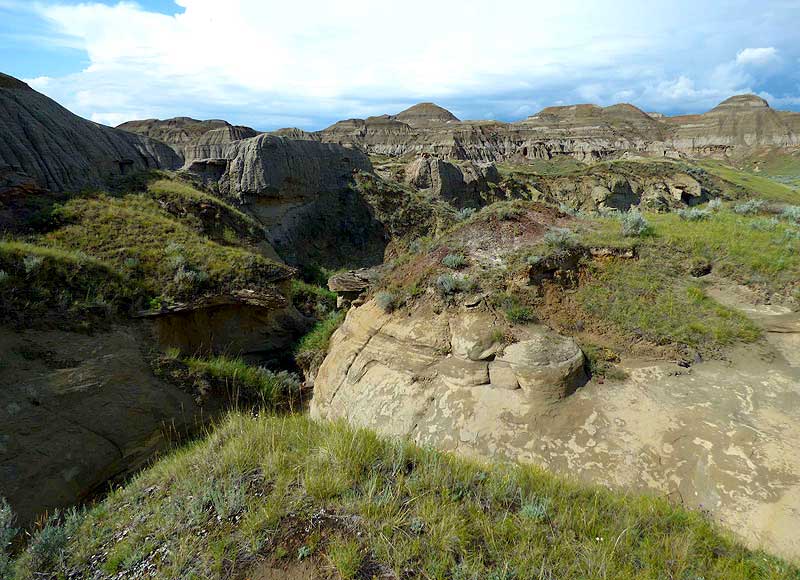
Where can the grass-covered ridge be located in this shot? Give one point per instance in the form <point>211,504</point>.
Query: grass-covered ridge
<point>753,185</point>
<point>34,278</point>
<point>164,254</point>
<point>284,489</point>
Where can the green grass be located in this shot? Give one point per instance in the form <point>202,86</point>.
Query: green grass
<point>733,244</point>
<point>164,254</point>
<point>290,488</point>
<point>646,297</point>
<point>273,390</point>
<point>562,165</point>
<point>39,277</point>
<point>181,197</point>
<point>753,185</point>
<point>312,348</point>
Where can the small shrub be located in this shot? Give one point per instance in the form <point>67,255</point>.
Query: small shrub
<point>465,213</point>
<point>764,224</point>
<point>448,284</point>
<point>519,314</point>
<point>506,212</point>
<point>750,207</point>
<point>714,205</point>
<point>7,533</point>
<point>634,224</point>
<point>565,209</point>
<point>4,277</point>
<point>560,239</point>
<point>346,557</point>
<point>32,263</point>
<point>694,214</point>
<point>791,213</point>
<point>386,301</point>
<point>48,545</point>
<point>533,260</point>
<point>454,261</point>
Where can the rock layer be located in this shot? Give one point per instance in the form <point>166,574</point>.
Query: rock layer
<point>43,143</point>
<point>190,138</point>
<point>585,132</point>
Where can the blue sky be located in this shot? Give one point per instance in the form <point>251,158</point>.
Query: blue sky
<point>271,64</point>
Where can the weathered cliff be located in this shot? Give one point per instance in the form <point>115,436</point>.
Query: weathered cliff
<point>190,138</point>
<point>586,132</point>
<point>42,143</point>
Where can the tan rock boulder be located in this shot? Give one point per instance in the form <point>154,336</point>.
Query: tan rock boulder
<point>545,364</point>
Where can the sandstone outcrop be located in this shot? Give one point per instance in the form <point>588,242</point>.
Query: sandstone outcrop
<point>396,372</point>
<point>459,184</point>
<point>42,142</point>
<point>190,138</point>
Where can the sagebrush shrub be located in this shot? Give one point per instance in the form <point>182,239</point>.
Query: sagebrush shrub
<point>764,224</point>
<point>386,301</point>
<point>694,214</point>
<point>560,239</point>
<point>750,207</point>
<point>448,284</point>
<point>32,263</point>
<point>791,213</point>
<point>715,205</point>
<point>7,533</point>
<point>465,213</point>
<point>454,261</point>
<point>634,224</point>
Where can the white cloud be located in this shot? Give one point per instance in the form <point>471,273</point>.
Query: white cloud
<point>757,56</point>
<point>275,62</point>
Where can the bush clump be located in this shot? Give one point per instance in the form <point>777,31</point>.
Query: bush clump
<point>386,301</point>
<point>750,207</point>
<point>634,224</point>
<point>465,213</point>
<point>7,533</point>
<point>791,213</point>
<point>715,204</point>
<point>448,284</point>
<point>561,239</point>
<point>694,214</point>
<point>454,261</point>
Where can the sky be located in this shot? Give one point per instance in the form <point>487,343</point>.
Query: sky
<point>308,63</point>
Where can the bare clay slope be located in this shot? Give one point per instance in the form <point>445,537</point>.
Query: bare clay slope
<point>42,143</point>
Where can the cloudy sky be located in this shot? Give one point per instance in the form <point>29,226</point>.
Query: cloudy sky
<point>307,63</point>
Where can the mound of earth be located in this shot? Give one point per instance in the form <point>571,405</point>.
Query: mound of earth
<point>425,114</point>
<point>43,144</point>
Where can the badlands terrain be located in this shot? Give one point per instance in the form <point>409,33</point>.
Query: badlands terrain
<point>401,346</point>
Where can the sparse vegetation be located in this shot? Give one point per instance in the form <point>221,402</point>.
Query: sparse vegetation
<point>267,485</point>
<point>172,258</point>
<point>694,214</point>
<point>791,213</point>
<point>560,239</point>
<point>634,224</point>
<point>454,261</point>
<point>386,301</point>
<point>313,347</point>
<point>270,389</point>
<point>7,533</point>
<point>750,207</point>
<point>644,297</point>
